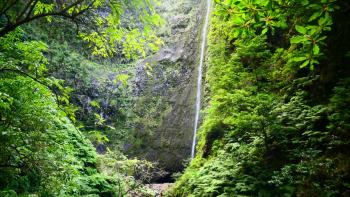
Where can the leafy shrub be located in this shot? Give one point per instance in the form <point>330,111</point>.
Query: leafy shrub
<point>274,125</point>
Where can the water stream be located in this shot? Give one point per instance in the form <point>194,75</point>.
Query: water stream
<point>199,80</point>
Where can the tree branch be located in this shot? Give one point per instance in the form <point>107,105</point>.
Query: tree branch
<point>10,27</point>
<point>44,84</point>
<point>31,9</point>
<point>26,7</point>
<point>33,78</point>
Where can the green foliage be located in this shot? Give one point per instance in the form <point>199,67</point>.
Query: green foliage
<point>27,58</point>
<point>101,21</point>
<point>272,127</point>
<point>42,152</point>
<point>123,78</point>
<point>130,173</point>
<point>100,91</point>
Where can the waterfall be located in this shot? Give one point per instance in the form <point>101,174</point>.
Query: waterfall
<point>199,80</point>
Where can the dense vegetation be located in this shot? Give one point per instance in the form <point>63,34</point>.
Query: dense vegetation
<point>278,87</point>
<point>52,54</point>
<point>75,108</point>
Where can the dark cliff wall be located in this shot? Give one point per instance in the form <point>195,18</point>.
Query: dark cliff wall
<point>165,88</point>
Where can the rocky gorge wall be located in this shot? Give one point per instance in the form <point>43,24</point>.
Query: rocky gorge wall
<point>164,88</point>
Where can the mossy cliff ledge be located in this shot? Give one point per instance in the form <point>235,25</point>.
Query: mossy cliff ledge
<point>165,87</point>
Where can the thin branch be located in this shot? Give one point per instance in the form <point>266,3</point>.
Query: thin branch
<point>26,7</point>
<point>33,78</point>
<point>47,86</point>
<point>22,73</point>
<point>77,26</point>
<point>63,13</point>
<point>31,9</point>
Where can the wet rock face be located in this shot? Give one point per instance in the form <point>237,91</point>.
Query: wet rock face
<point>165,87</point>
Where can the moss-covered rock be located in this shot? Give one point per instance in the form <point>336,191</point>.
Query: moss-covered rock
<point>165,88</point>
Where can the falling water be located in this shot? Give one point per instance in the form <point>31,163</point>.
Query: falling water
<point>199,80</point>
